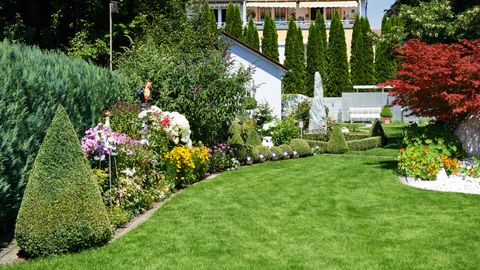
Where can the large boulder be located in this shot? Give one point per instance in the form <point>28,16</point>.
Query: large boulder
<point>468,132</point>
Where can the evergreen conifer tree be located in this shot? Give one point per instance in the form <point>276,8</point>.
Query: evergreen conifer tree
<point>61,185</point>
<point>338,77</point>
<point>208,25</point>
<point>355,49</point>
<point>290,43</point>
<point>385,62</point>
<point>228,19</point>
<point>314,62</point>
<point>293,82</point>
<point>252,38</point>
<point>233,22</point>
<point>320,23</point>
<point>368,76</point>
<point>270,38</point>
<point>245,35</point>
<point>361,61</point>
<point>300,51</point>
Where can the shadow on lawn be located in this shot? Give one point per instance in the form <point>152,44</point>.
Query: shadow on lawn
<point>384,164</point>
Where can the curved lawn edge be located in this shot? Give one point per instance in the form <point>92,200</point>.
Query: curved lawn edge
<point>447,185</point>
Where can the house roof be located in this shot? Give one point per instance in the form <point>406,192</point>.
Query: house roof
<point>255,51</point>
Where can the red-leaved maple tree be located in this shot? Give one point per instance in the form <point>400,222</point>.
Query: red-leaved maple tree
<point>439,80</point>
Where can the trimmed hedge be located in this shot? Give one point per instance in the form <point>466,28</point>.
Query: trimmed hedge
<point>242,151</point>
<point>62,209</point>
<point>377,130</point>
<point>264,150</point>
<point>365,144</point>
<point>277,150</point>
<point>301,146</point>
<point>337,143</point>
<point>32,84</point>
<point>286,148</point>
<point>322,136</point>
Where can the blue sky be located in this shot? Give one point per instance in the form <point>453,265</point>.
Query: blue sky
<point>375,11</point>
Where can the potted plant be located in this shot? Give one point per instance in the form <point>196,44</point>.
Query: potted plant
<point>386,114</point>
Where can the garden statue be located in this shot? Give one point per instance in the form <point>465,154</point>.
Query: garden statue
<point>318,115</point>
<point>267,141</point>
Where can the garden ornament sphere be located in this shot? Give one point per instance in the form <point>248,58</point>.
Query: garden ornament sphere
<point>261,158</point>
<point>295,154</point>
<point>286,155</point>
<point>274,156</point>
<point>249,161</point>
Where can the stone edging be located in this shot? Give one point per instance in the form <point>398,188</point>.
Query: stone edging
<point>451,184</point>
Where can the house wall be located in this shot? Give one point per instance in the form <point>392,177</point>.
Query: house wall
<point>266,77</point>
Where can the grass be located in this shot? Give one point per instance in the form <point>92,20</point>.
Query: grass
<point>322,212</point>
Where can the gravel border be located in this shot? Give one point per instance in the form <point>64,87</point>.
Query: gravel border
<point>453,183</point>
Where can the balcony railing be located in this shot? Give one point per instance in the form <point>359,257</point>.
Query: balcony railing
<point>283,25</point>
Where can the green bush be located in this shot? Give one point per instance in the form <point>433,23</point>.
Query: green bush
<point>286,148</point>
<point>235,134</point>
<point>62,209</point>
<point>337,143</point>
<point>29,96</point>
<point>377,130</point>
<point>264,150</point>
<point>284,131</point>
<point>356,136</point>
<point>301,146</point>
<point>365,144</point>
<point>322,136</point>
<point>277,150</point>
<point>124,119</point>
<point>386,112</point>
<point>244,150</point>
<point>250,134</point>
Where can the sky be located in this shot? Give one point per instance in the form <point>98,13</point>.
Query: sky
<point>375,10</point>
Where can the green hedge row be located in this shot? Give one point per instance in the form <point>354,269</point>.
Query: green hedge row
<point>365,144</point>
<point>32,84</point>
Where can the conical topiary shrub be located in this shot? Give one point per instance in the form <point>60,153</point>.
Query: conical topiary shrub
<point>377,130</point>
<point>62,209</point>
<point>337,143</point>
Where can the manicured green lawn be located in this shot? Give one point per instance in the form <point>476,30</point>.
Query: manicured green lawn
<point>322,212</point>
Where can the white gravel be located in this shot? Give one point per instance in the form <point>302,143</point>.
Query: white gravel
<point>444,183</point>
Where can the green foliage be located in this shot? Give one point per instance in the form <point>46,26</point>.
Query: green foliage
<point>301,146</point>
<point>377,130</point>
<point>365,144</point>
<point>189,78</point>
<point>303,112</point>
<point>270,38</point>
<point>284,131</point>
<point>338,78</point>
<point>252,35</point>
<point>233,22</point>
<point>386,112</point>
<point>235,134</point>
<point>28,98</point>
<point>467,24</point>
<point>294,80</point>
<point>81,46</point>
<point>337,143</point>
<point>315,57</point>
<point>59,175</point>
<point>318,147</point>
<point>286,148</point>
<point>385,62</point>
<point>361,60</point>
<point>124,119</point>
<point>322,136</point>
<point>208,25</point>
<point>262,114</point>
<point>264,151</point>
<point>244,150</point>
<point>250,134</point>
<point>320,23</point>
<point>277,150</point>
<point>427,149</point>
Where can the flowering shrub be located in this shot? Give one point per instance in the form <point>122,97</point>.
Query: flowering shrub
<point>187,165</point>
<point>426,150</point>
<point>175,125</point>
<point>221,158</point>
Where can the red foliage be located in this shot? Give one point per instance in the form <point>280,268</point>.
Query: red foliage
<point>439,80</point>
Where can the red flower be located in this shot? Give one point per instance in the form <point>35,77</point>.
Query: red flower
<point>165,121</point>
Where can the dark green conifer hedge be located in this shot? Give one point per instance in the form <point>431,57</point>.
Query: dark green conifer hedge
<point>377,130</point>
<point>33,83</point>
<point>337,143</point>
<point>270,38</point>
<point>62,210</point>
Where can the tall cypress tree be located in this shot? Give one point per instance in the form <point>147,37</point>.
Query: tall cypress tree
<point>385,62</point>
<point>245,34</point>
<point>208,25</point>
<point>338,77</point>
<point>270,38</point>
<point>228,19</point>
<point>356,50</point>
<point>320,23</point>
<point>368,69</point>
<point>293,82</point>
<point>233,22</point>
<point>253,38</point>
<point>314,63</point>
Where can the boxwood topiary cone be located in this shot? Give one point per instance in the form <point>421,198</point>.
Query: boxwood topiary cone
<point>337,143</point>
<point>62,209</point>
<point>377,130</point>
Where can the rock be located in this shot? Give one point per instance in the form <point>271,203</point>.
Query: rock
<point>468,132</point>
<point>318,115</point>
<point>442,175</point>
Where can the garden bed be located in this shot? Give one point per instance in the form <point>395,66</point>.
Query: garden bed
<point>452,183</point>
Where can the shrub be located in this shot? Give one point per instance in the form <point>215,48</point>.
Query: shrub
<point>386,112</point>
<point>286,148</point>
<point>377,130</point>
<point>187,165</point>
<point>284,131</point>
<point>318,147</point>
<point>59,175</point>
<point>28,98</point>
<point>264,150</point>
<point>221,158</point>
<point>364,144</point>
<point>322,136</point>
<point>301,146</point>
<point>277,150</point>
<point>243,151</point>
<point>124,119</point>
<point>250,134</point>
<point>426,150</point>
<point>235,134</point>
<point>337,143</point>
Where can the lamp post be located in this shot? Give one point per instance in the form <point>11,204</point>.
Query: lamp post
<point>300,125</point>
<point>113,8</point>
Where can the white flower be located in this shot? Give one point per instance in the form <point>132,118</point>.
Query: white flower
<point>129,172</point>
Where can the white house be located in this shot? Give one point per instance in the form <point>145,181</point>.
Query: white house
<point>267,73</point>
